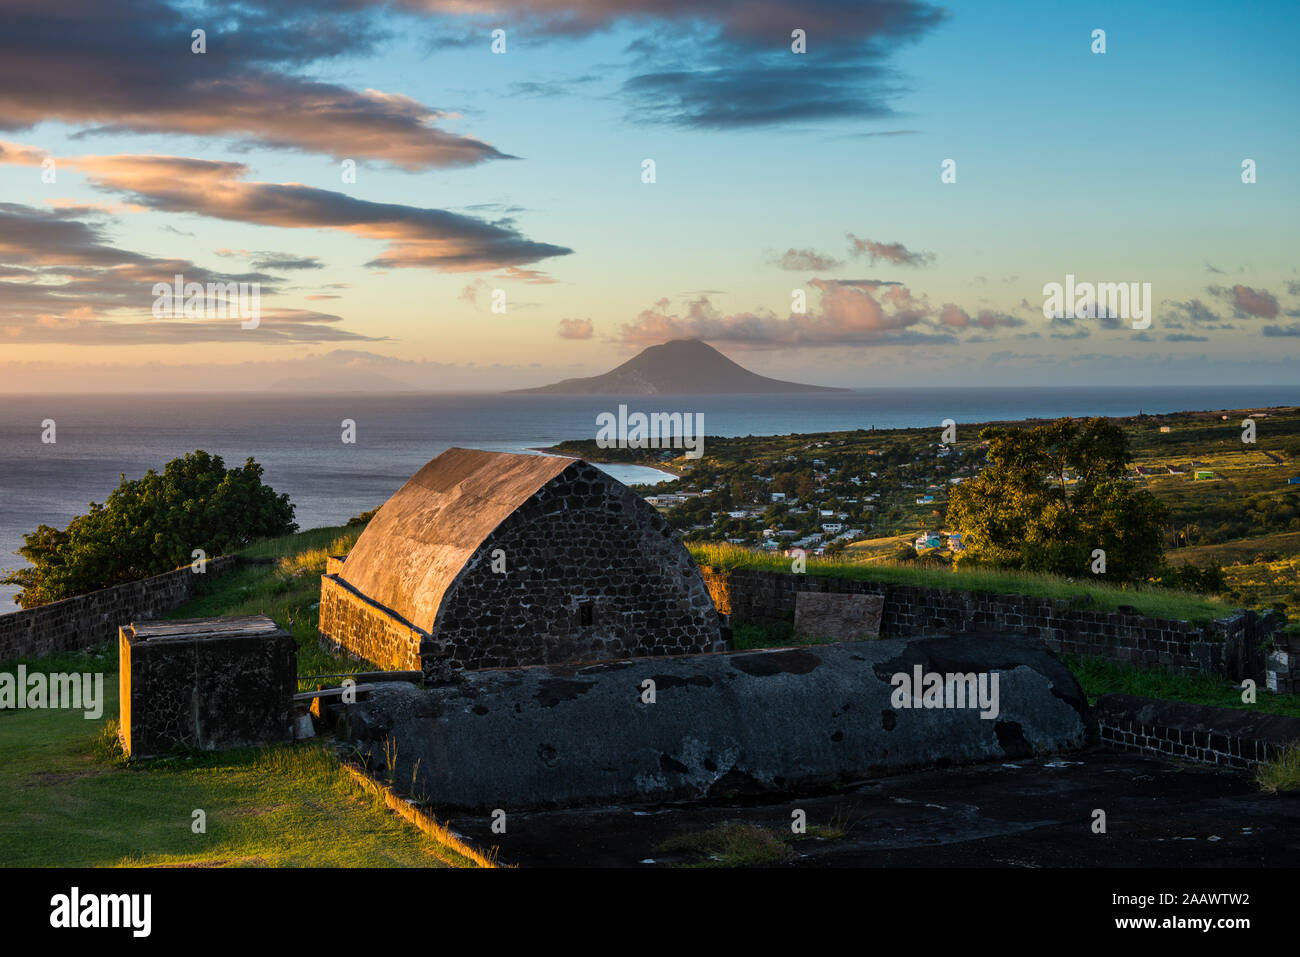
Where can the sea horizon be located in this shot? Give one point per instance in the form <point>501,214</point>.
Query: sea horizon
<point>296,437</point>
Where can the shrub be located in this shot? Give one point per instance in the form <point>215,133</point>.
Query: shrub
<point>151,525</point>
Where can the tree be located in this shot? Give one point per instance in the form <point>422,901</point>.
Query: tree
<point>1054,494</point>
<point>152,525</point>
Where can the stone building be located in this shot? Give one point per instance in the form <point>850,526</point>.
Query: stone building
<point>489,559</point>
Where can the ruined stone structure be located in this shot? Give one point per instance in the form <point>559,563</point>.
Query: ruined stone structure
<point>489,560</point>
<point>205,683</point>
<point>1232,646</point>
<point>739,723</point>
<point>85,621</point>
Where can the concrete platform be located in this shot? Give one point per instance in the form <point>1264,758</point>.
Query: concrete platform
<point>1022,814</point>
<point>779,721</point>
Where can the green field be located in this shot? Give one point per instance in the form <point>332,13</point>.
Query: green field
<point>287,591</point>
<point>66,800</point>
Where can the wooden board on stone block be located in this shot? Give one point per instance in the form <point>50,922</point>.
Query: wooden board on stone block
<point>837,617</point>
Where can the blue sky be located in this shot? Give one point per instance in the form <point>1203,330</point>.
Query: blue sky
<point>1115,167</point>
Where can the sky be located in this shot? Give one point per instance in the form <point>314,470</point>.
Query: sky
<point>421,210</point>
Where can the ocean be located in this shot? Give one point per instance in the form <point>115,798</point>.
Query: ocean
<point>297,438</point>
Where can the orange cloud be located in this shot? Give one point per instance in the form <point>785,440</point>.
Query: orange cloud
<point>417,237</point>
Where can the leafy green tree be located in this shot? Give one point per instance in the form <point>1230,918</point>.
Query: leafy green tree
<point>1051,495</point>
<point>151,525</point>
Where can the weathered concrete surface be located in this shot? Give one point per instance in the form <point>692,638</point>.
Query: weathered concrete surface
<point>838,617</point>
<point>1034,813</point>
<point>737,722</point>
<point>417,543</point>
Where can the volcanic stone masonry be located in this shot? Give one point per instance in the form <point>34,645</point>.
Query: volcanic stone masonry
<point>491,560</point>
<point>206,683</point>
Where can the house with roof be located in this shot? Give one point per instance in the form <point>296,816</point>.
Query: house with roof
<point>492,559</point>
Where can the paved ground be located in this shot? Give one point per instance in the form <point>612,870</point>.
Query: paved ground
<point>1035,813</point>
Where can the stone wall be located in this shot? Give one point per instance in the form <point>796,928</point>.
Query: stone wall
<point>355,625</point>
<point>1230,646</point>
<point>94,618</point>
<point>592,572</point>
<point>1230,737</point>
<point>1282,669</point>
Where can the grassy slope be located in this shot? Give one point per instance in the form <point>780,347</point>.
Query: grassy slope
<point>61,805</point>
<point>288,592</point>
<point>1157,602</point>
<point>1098,677</point>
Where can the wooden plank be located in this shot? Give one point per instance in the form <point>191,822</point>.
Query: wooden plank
<point>331,693</point>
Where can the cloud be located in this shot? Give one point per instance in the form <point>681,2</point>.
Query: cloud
<point>532,276</point>
<point>843,75</point>
<point>16,154</point>
<point>269,260</point>
<point>275,327</point>
<point>774,90</point>
<point>804,260</point>
<point>882,133</point>
<point>1276,331</point>
<point>337,370</point>
<point>1293,287</point>
<point>61,281</point>
<point>82,62</point>
<point>895,253</point>
<point>1254,302</point>
<point>417,237</point>
<point>575,329</point>
<point>848,315</point>
<point>1178,314</point>
<point>1247,302</point>
<point>955,317</point>
<point>1185,337</point>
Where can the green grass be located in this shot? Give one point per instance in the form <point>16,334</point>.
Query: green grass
<point>1155,602</point>
<point>752,637</point>
<point>729,845</point>
<point>1098,677</point>
<point>1282,773</point>
<point>287,545</point>
<point>287,591</point>
<point>66,800</point>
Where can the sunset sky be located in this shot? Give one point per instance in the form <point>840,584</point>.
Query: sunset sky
<point>522,171</point>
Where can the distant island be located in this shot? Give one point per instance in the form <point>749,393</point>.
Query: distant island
<point>678,367</point>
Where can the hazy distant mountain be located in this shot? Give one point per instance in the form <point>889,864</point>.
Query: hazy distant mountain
<point>679,367</point>
<point>344,380</point>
